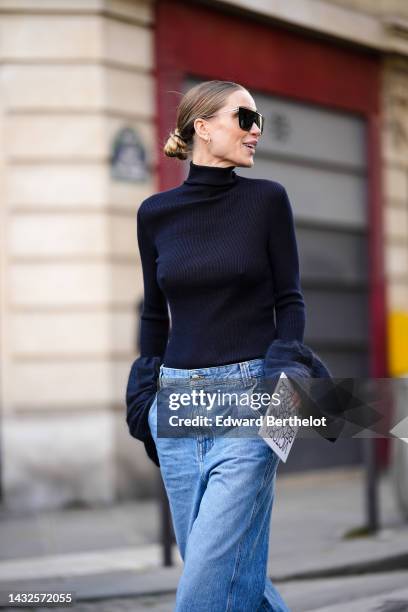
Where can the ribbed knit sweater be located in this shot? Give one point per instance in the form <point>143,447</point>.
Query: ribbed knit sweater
<point>220,264</point>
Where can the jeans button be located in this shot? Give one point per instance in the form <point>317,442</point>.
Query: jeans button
<point>195,376</point>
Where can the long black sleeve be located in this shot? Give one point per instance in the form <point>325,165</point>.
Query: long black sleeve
<point>289,303</point>
<point>154,320</point>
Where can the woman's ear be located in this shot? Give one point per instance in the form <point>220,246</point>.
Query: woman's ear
<point>201,129</point>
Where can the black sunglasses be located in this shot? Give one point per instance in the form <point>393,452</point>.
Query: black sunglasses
<point>246,118</point>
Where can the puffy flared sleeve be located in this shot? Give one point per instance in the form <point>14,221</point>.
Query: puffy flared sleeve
<point>141,389</point>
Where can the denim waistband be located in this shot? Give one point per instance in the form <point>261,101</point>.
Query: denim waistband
<point>243,371</point>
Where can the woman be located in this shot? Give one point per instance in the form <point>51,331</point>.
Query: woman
<point>220,251</point>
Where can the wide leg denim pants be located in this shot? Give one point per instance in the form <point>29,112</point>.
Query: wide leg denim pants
<point>220,491</point>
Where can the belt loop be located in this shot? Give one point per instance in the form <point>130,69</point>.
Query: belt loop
<point>245,372</point>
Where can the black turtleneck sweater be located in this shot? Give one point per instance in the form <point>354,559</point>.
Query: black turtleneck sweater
<point>220,250</point>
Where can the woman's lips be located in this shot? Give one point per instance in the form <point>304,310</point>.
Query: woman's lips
<point>249,147</point>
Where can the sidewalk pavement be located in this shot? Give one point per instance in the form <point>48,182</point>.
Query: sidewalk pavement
<point>114,551</point>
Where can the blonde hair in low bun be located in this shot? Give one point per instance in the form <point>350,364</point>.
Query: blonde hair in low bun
<point>176,146</point>
<point>202,100</point>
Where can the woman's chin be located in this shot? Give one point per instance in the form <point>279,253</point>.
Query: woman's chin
<point>248,162</point>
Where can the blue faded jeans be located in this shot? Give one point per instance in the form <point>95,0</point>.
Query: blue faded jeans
<point>220,490</point>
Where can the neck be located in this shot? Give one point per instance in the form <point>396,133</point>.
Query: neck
<point>210,175</point>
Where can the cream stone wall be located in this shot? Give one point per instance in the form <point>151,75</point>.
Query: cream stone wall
<point>72,74</point>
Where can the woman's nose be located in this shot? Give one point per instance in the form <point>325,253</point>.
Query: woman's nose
<point>255,130</point>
